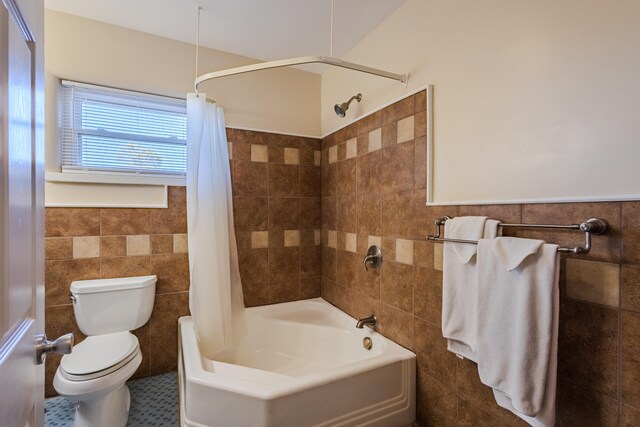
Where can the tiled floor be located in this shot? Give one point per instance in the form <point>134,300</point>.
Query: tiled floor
<point>154,402</point>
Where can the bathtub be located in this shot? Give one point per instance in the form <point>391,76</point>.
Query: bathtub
<point>302,363</point>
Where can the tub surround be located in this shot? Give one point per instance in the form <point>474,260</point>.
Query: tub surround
<point>375,194</point>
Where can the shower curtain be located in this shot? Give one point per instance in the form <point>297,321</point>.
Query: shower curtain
<point>215,294</point>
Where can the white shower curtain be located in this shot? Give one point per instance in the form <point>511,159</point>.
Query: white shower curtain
<point>215,294</point>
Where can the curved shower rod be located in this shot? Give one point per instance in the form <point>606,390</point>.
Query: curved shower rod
<point>403,78</point>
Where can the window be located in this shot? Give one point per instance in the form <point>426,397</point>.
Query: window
<point>115,131</point>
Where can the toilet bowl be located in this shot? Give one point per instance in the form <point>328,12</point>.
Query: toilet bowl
<point>94,374</point>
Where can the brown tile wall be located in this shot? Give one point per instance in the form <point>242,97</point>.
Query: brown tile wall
<point>376,194</point>
<point>277,218</point>
<point>276,197</point>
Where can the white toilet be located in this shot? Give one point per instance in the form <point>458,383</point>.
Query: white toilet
<point>94,374</point>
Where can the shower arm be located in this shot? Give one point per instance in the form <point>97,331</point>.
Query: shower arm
<point>328,60</point>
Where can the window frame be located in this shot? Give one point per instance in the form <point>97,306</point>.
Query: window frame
<point>71,173</point>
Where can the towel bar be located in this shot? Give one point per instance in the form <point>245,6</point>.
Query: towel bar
<point>591,226</point>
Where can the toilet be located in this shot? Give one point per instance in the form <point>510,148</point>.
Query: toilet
<point>94,374</point>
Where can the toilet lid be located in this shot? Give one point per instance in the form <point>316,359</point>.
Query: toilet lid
<point>98,353</point>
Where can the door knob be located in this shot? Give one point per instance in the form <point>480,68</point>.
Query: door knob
<point>63,345</point>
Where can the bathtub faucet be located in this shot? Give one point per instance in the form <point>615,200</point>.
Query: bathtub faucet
<point>370,321</point>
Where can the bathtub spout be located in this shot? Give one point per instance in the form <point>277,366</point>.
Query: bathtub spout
<point>370,321</point>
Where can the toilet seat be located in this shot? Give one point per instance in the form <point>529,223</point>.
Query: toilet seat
<point>99,355</point>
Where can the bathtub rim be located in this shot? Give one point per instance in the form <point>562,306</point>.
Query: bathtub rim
<point>194,371</point>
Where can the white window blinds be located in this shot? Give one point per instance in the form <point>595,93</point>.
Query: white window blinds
<point>110,130</point>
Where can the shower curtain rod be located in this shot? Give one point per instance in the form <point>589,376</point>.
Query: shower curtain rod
<point>403,78</point>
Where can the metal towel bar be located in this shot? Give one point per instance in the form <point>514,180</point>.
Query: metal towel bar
<point>589,227</point>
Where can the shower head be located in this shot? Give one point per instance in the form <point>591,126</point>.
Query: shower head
<point>341,109</point>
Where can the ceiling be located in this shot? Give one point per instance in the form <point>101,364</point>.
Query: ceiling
<point>261,29</point>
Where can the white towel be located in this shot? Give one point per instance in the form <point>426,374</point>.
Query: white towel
<point>518,310</point>
<point>460,282</point>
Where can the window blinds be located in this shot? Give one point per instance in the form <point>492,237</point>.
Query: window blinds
<point>110,130</point>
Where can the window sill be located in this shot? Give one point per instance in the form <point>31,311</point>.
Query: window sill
<point>114,178</point>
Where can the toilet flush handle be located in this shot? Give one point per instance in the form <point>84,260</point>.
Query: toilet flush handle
<point>63,345</point>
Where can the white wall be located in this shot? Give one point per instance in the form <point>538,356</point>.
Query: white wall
<point>283,101</point>
<point>533,100</point>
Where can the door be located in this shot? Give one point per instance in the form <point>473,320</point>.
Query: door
<point>21,211</point>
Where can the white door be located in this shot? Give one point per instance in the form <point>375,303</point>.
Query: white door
<point>21,211</point>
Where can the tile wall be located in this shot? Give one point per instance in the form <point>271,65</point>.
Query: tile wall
<point>373,192</point>
<point>276,186</point>
<point>276,198</point>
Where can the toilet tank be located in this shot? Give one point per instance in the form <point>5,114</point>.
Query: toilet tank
<point>104,306</point>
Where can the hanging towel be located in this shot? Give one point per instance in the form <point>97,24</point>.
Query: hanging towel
<point>460,282</point>
<point>518,310</point>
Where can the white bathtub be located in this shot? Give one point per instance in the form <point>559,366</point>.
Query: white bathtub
<point>302,363</point>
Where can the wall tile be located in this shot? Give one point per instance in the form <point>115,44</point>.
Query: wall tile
<point>259,153</point>
<point>630,288</point>
<point>167,308</point>
<point>398,110</point>
<point>397,214</point>
<point>128,266</point>
<point>291,238</point>
<point>420,163</point>
<point>172,271</point>
<point>180,244</point>
<point>284,213</point>
<point>160,244</point>
<point>59,275</point>
<point>254,266</point>
<point>124,221</point>
<point>406,131</point>
<point>629,417</point>
<point>57,248</point>
<point>284,180</point>
<point>251,213</point>
<point>333,154</point>
<point>368,282</point>
<point>593,281</point>
<point>346,178</point>
<point>436,403</point>
<point>69,222</point>
<point>328,263</point>
<point>588,346</point>
<point>368,173</point>
<point>432,355</point>
<point>138,245</point>
<point>328,174</point>
<point>375,140</point>
<point>578,407</point>
<point>427,296</point>
<point>396,285</point>
<point>259,239</point>
<point>404,251</point>
<point>423,253</point>
<point>316,237</point>
<point>310,181</point>
<point>250,178</point>
<point>291,156</point>
<point>631,231</point>
<point>389,134</point>
<point>369,122</point>
<point>346,214</point>
<point>438,253</point>
<point>255,294</point>
<point>350,242</point>
<point>369,210</point>
<point>630,392</point>
<point>310,261</point>
<point>173,219</point>
<point>317,158</point>
<point>332,240</point>
<point>397,325</point>
<point>397,167</point>
<point>310,288</point>
<point>347,265</point>
<point>310,212</point>
<point>351,148</point>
